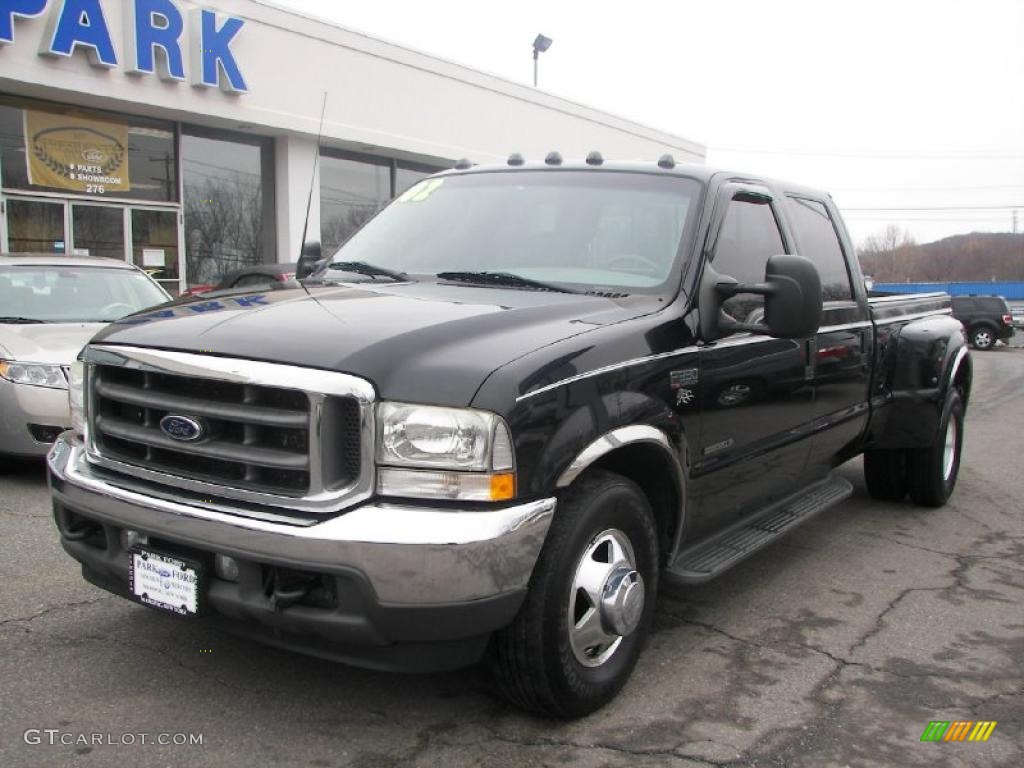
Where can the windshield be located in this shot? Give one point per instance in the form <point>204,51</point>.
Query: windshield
<point>58,294</point>
<point>591,230</point>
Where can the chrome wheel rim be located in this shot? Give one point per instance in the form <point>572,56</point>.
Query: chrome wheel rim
<point>606,602</point>
<point>949,450</point>
<point>983,339</point>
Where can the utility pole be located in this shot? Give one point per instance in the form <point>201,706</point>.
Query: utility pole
<point>1015,221</point>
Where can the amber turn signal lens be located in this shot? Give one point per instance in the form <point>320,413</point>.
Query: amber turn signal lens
<point>503,487</point>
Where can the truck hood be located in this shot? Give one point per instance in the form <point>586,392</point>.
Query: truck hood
<point>51,343</point>
<point>421,342</point>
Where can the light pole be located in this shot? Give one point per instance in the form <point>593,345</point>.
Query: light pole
<point>540,44</point>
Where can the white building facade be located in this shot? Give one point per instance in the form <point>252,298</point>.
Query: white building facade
<point>183,136</point>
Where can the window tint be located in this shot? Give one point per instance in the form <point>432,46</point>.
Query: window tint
<point>749,237</point>
<point>816,239</point>
<point>963,305</point>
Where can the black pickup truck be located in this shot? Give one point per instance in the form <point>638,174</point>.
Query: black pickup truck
<point>510,406</point>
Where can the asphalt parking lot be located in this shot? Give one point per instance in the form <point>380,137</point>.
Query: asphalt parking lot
<point>837,646</point>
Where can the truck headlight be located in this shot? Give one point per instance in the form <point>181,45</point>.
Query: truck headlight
<point>76,396</point>
<point>33,374</point>
<point>472,448</point>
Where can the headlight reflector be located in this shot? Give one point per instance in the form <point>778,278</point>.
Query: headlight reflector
<point>33,374</point>
<point>448,438</point>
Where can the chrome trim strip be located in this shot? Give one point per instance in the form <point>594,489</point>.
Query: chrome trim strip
<point>845,326</point>
<point>906,297</point>
<point>955,368</point>
<point>317,385</point>
<point>607,369</point>
<point>636,433</point>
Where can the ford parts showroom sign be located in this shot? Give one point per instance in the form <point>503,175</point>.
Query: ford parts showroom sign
<point>156,41</point>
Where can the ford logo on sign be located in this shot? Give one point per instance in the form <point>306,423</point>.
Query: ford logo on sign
<point>181,428</point>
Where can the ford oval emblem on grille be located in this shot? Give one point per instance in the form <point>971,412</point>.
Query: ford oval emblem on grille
<point>182,428</point>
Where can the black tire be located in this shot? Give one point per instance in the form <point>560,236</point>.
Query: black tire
<point>885,473</point>
<point>532,660</point>
<point>983,337</point>
<point>930,480</point>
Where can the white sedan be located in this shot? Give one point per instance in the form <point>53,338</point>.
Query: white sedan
<point>50,306</point>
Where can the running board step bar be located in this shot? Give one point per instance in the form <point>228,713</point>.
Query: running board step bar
<point>710,558</point>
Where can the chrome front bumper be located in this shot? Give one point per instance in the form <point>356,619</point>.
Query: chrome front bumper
<point>409,555</point>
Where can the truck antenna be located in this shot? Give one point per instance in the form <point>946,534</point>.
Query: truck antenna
<point>312,178</point>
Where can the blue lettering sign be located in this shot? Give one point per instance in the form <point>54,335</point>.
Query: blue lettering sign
<point>26,9</point>
<point>213,64</point>
<point>207,306</point>
<point>152,33</point>
<point>80,23</point>
<point>252,301</point>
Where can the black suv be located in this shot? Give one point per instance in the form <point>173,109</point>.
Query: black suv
<point>986,318</point>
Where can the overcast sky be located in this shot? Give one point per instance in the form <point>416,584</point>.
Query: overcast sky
<point>888,104</point>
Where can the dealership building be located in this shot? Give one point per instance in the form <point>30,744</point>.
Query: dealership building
<point>183,136</point>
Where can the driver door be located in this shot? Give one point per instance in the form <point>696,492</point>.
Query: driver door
<point>757,394</point>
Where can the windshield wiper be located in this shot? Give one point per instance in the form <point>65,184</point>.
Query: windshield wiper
<point>21,320</point>
<point>371,270</point>
<point>502,278</point>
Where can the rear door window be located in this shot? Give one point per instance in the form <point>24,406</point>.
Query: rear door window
<point>817,239</point>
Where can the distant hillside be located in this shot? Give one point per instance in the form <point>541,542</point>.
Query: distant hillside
<point>977,256</point>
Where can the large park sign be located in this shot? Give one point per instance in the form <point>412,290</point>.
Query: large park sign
<point>155,39</point>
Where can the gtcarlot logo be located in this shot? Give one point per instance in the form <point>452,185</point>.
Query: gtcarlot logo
<point>55,736</point>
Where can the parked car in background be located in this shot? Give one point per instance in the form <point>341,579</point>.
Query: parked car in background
<point>267,276</point>
<point>50,306</point>
<point>1017,315</point>
<point>987,319</point>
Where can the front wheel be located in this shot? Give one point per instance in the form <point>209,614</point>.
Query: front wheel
<point>590,603</point>
<point>983,338</point>
<point>933,469</point>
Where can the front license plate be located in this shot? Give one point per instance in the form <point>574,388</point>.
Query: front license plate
<point>164,582</point>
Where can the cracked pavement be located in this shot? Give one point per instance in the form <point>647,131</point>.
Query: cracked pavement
<point>834,647</point>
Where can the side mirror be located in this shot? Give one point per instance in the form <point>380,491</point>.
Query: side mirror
<point>792,291</point>
<point>311,256</point>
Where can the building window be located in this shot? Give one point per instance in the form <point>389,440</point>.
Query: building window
<point>407,175</point>
<point>354,187</point>
<point>224,194</point>
<point>46,147</point>
<point>351,191</point>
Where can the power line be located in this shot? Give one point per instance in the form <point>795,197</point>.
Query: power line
<point>884,154</point>
<point>940,208</point>
<point>925,189</point>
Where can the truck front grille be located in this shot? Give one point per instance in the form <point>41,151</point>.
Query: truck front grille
<point>287,446</point>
